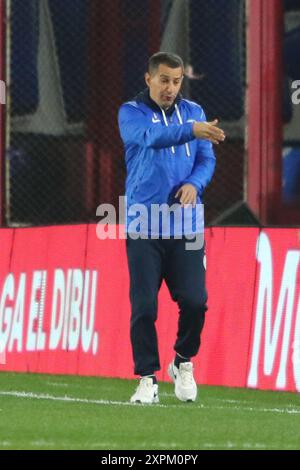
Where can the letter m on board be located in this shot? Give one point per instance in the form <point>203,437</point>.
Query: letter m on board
<point>273,326</point>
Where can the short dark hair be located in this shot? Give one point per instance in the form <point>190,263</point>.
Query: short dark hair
<point>166,58</point>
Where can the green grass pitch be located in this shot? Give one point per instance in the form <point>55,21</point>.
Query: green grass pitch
<point>67,412</point>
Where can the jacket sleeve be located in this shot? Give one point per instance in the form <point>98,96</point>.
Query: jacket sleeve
<point>135,129</point>
<point>205,162</point>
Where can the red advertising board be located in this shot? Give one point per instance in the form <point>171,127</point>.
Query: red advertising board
<point>274,349</point>
<point>64,306</point>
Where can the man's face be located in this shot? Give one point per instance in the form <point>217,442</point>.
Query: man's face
<point>164,85</point>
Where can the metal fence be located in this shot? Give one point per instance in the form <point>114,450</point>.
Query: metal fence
<point>71,63</point>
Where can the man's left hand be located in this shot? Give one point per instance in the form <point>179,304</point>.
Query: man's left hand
<point>187,194</point>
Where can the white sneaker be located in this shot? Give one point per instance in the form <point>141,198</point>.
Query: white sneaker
<point>185,385</point>
<point>146,392</point>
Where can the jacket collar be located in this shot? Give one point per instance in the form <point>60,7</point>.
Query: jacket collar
<point>144,97</point>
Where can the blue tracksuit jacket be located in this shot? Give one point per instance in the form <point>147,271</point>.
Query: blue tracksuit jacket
<point>162,153</point>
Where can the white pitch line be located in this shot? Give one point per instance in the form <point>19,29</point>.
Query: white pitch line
<point>5,443</point>
<point>41,396</point>
<point>226,400</point>
<point>42,443</point>
<point>292,411</point>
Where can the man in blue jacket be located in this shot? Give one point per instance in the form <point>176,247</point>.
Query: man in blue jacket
<point>170,161</point>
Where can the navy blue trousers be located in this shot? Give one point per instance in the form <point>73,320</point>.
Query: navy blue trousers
<point>151,261</point>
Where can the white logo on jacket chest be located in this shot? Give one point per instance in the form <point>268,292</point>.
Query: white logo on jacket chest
<point>155,118</point>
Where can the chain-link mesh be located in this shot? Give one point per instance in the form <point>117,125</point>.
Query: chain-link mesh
<point>73,62</point>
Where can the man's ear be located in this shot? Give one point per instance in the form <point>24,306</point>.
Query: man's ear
<point>147,79</point>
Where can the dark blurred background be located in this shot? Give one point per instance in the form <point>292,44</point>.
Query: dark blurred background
<point>71,64</point>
